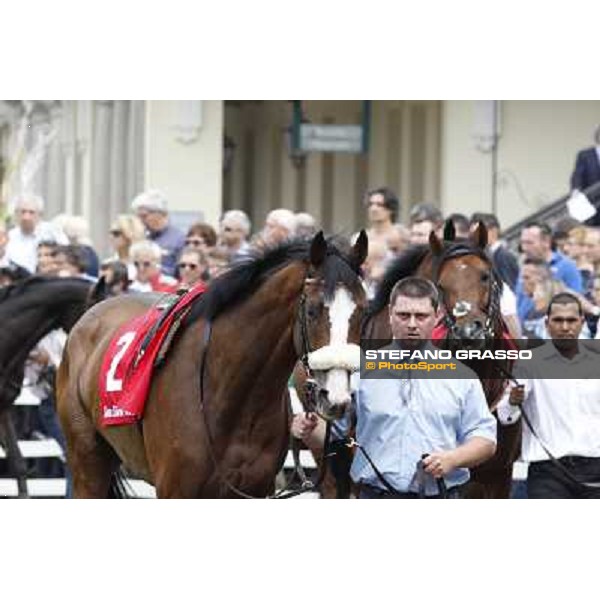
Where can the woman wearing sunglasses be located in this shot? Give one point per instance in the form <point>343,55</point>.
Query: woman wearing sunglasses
<point>146,256</point>
<point>192,268</point>
<point>125,230</point>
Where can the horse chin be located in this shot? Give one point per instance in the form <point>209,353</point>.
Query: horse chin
<point>470,336</point>
<point>329,411</point>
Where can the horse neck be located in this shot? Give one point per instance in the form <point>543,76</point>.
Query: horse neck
<point>264,324</point>
<point>27,318</point>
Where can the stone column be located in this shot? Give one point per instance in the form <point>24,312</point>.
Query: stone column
<point>134,175</point>
<point>68,150</point>
<point>118,163</point>
<point>55,197</point>
<point>85,118</point>
<point>101,174</point>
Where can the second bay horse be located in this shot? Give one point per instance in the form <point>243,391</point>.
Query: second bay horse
<point>470,294</point>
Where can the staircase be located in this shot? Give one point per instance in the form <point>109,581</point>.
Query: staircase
<point>550,214</point>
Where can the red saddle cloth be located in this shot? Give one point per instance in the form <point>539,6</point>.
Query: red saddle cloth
<point>128,364</point>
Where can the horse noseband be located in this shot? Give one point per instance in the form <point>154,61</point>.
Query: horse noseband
<point>461,309</point>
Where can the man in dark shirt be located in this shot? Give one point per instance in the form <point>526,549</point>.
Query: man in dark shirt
<point>504,260</point>
<point>587,172</point>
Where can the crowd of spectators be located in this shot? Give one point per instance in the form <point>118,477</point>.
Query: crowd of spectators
<point>150,254</point>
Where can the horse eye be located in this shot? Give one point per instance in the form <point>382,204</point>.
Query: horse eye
<point>314,310</point>
<point>485,277</point>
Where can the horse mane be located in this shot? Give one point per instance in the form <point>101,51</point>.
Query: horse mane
<point>22,286</point>
<point>404,265</point>
<point>243,279</point>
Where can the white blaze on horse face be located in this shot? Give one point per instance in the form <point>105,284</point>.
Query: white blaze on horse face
<point>341,309</point>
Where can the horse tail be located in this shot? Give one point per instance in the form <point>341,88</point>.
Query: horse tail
<point>119,486</point>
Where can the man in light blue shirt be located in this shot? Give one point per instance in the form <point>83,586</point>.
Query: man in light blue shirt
<point>400,420</point>
<point>536,244</point>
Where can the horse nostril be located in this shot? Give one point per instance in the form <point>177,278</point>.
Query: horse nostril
<point>478,323</point>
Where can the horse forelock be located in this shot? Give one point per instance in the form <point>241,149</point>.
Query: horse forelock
<point>458,249</point>
<point>337,270</point>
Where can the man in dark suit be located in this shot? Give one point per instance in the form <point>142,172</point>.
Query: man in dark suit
<point>587,172</point>
<point>504,260</point>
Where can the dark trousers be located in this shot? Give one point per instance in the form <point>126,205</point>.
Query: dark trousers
<point>546,480</point>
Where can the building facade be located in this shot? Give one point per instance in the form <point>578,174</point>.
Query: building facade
<point>92,157</point>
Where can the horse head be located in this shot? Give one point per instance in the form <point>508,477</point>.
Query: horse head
<point>468,285</point>
<point>328,325</point>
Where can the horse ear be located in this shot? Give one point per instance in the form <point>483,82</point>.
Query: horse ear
<point>98,292</point>
<point>480,236</point>
<point>318,249</point>
<point>434,243</point>
<point>360,249</point>
<point>449,231</point>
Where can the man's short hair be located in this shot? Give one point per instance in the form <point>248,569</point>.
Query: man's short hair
<point>564,226</point>
<point>240,217</point>
<point>306,225</point>
<point>152,200</point>
<point>564,298</point>
<point>146,247</point>
<point>284,218</point>
<point>390,200</point>
<point>74,256</point>
<point>416,287</point>
<point>490,220</point>
<point>461,224</point>
<point>545,229</point>
<point>535,262</point>
<point>50,244</point>
<point>33,199</point>
<point>425,211</point>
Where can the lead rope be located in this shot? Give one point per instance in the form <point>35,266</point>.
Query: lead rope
<point>551,456</point>
<point>352,443</point>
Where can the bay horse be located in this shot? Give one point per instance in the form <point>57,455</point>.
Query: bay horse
<point>216,424</point>
<point>470,292</point>
<point>29,309</point>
